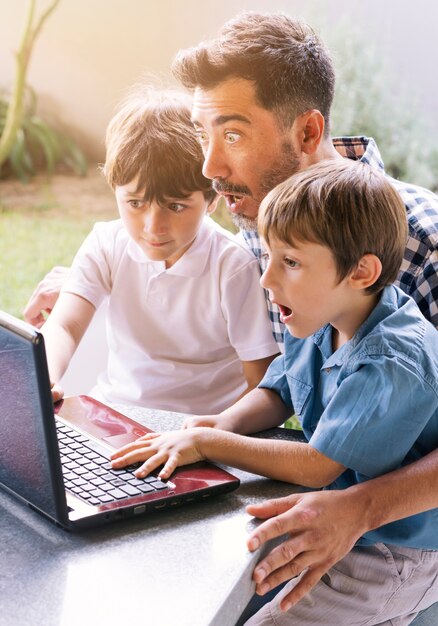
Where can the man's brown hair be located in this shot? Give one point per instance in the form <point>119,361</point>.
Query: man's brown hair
<point>152,138</point>
<point>286,60</point>
<point>345,205</point>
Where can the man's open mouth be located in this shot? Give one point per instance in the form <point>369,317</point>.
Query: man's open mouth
<point>233,200</point>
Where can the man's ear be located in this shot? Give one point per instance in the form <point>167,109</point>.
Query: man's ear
<point>366,273</point>
<point>211,208</point>
<point>310,128</point>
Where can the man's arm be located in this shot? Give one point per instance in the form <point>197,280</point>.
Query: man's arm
<point>324,526</point>
<point>44,297</point>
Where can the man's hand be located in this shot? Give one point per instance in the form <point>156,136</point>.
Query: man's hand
<point>170,449</point>
<point>45,296</point>
<point>322,528</point>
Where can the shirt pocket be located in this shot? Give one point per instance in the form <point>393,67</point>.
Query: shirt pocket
<point>300,394</point>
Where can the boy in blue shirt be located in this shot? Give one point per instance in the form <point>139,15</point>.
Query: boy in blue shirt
<point>360,370</point>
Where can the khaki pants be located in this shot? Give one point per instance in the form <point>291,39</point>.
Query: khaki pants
<point>379,585</point>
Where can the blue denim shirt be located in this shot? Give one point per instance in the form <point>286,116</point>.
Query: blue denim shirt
<point>372,405</point>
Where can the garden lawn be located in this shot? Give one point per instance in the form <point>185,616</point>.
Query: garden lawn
<point>31,244</point>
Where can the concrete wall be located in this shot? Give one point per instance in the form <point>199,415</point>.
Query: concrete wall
<point>91,51</point>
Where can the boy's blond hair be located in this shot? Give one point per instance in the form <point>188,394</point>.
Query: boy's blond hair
<point>152,138</point>
<point>344,205</point>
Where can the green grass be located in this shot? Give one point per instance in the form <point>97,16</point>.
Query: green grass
<point>31,244</point>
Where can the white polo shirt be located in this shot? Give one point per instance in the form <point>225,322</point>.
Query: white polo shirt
<point>175,336</point>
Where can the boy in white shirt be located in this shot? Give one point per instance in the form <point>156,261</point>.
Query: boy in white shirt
<point>178,284</point>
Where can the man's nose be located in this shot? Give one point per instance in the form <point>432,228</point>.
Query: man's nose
<point>215,162</point>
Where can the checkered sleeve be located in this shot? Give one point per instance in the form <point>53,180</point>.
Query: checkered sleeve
<point>418,274</point>
<point>252,240</point>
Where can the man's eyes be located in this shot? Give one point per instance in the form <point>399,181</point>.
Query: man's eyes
<point>201,135</point>
<point>231,137</point>
<point>290,262</point>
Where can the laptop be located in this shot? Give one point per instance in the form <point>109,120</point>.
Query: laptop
<point>56,459</point>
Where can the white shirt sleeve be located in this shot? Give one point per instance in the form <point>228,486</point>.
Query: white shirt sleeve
<point>90,275</point>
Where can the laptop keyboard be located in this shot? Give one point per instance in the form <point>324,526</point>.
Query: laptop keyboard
<point>89,475</point>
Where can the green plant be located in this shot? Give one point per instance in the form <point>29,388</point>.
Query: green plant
<point>370,101</point>
<point>38,145</point>
<point>27,142</point>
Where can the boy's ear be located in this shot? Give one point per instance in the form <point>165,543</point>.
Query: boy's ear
<point>366,273</point>
<point>211,208</point>
<point>310,126</point>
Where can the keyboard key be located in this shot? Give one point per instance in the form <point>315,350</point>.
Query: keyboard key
<point>130,490</point>
<point>157,484</point>
<point>97,493</point>
<point>117,482</point>
<point>118,494</point>
<point>105,498</point>
<point>145,488</point>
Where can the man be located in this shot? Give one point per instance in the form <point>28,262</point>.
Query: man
<point>262,96</point>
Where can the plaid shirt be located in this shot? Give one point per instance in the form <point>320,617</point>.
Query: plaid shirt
<point>418,275</point>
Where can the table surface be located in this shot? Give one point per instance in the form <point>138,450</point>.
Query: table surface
<point>186,566</point>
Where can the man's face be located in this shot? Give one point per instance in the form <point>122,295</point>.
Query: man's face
<point>247,152</point>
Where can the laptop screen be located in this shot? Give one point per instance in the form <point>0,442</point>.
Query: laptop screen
<point>26,466</point>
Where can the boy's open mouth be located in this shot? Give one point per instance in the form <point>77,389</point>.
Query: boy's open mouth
<point>285,312</point>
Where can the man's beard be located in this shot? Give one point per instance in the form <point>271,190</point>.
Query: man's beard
<point>288,164</point>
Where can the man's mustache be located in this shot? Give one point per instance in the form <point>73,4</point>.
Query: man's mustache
<point>224,187</point>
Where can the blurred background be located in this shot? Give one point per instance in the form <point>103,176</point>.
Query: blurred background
<point>90,51</point>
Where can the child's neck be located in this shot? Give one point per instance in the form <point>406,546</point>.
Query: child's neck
<point>353,319</point>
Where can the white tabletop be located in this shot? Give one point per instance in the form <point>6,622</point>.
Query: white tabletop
<point>187,566</point>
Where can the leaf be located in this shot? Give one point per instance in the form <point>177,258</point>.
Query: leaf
<point>74,157</point>
<point>20,159</point>
<point>39,136</point>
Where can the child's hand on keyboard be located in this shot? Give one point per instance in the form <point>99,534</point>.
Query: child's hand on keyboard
<point>170,449</point>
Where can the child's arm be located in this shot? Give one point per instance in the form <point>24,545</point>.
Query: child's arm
<point>292,462</point>
<point>257,410</point>
<point>45,295</point>
<point>254,371</point>
<point>62,332</point>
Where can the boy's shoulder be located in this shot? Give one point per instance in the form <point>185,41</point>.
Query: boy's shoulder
<point>110,233</point>
<point>397,329</point>
<point>109,228</point>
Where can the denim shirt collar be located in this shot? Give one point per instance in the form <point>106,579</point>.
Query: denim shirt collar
<point>323,337</point>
